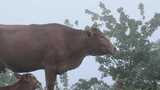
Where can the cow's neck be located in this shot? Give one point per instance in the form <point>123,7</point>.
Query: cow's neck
<point>77,53</point>
<point>79,48</point>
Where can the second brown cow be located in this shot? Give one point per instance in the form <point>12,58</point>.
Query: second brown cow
<point>25,82</point>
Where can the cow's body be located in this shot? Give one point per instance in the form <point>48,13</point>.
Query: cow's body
<point>53,47</point>
<point>24,48</point>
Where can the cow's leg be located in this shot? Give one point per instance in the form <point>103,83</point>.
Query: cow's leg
<point>50,70</point>
<point>50,78</point>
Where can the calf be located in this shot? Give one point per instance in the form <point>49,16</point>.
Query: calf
<point>25,82</point>
<point>54,47</point>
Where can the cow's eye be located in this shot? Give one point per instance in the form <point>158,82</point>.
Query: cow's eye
<point>102,37</point>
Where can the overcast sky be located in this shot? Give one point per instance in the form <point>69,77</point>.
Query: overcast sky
<point>56,11</point>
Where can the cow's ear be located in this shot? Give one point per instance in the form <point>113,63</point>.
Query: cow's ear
<point>89,33</point>
<point>87,28</point>
<point>95,29</point>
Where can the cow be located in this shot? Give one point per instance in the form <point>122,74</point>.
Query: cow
<point>25,82</point>
<point>56,48</point>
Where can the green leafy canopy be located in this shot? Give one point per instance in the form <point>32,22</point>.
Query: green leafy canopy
<point>137,62</point>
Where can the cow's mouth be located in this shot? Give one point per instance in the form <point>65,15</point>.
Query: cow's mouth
<point>103,52</point>
<point>111,51</point>
<point>99,52</point>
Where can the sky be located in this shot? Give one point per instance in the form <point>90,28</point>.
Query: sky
<point>56,11</point>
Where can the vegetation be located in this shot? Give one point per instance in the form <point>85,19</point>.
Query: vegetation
<point>92,84</point>
<point>7,78</point>
<point>136,65</point>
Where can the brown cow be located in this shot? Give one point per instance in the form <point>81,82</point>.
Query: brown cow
<point>53,47</point>
<point>25,82</point>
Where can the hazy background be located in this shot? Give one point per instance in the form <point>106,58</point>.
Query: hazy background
<point>56,11</point>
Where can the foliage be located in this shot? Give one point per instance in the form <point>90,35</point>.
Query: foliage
<point>7,78</point>
<point>64,81</point>
<point>136,64</point>
<point>92,84</point>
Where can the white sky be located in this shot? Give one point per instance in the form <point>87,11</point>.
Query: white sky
<point>51,11</point>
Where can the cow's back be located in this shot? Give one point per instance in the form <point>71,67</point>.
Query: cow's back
<point>23,47</point>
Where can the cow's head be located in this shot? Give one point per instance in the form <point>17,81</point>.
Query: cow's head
<point>98,43</point>
<point>32,80</point>
<point>29,80</point>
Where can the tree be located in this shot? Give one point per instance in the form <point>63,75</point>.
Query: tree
<point>7,78</point>
<point>92,84</point>
<point>136,65</point>
<point>64,81</point>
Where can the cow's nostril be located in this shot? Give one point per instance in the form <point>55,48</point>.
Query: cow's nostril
<point>115,49</point>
